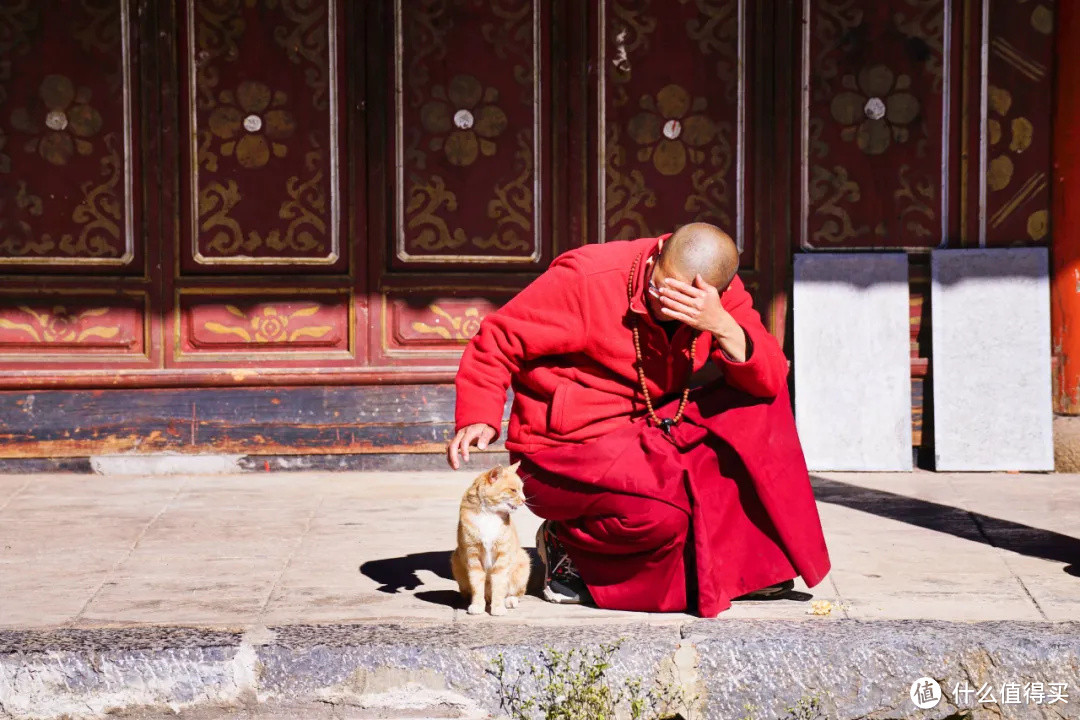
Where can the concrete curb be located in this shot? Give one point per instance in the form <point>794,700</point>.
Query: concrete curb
<point>165,464</point>
<point>741,668</point>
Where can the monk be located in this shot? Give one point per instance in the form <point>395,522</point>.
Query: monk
<point>652,420</point>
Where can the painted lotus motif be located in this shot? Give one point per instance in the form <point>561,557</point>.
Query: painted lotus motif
<point>875,109</point>
<point>61,123</point>
<point>463,120</point>
<point>269,324</point>
<point>252,124</point>
<point>670,127</point>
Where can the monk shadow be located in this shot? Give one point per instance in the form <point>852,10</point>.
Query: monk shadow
<point>992,531</point>
<point>790,596</point>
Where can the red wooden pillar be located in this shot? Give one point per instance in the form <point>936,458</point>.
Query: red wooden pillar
<point>1065,250</point>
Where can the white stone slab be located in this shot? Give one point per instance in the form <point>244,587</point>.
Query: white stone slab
<point>853,361</point>
<point>990,318</point>
<point>166,464</point>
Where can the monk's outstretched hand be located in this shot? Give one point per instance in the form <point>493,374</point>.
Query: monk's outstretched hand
<point>477,433</point>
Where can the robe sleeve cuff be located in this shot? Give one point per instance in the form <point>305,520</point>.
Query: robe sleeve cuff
<point>728,360</point>
<point>487,412</point>
<point>753,375</point>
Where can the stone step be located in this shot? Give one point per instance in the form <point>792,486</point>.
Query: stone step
<point>735,669</point>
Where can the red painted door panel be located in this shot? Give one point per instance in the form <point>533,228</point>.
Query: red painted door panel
<point>911,136</point>
<point>471,110</point>
<point>673,116</point>
<point>262,116</point>
<point>69,137</point>
<point>263,266</point>
<point>75,242</point>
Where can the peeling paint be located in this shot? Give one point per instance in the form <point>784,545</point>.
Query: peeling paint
<point>621,61</point>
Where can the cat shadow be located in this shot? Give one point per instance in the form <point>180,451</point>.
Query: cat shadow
<point>452,598</point>
<point>400,573</point>
<point>446,598</point>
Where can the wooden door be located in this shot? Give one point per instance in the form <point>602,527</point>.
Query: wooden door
<point>335,194</point>
<point>278,191</point>
<point>514,130</point>
<point>924,124</point>
<point>198,194</point>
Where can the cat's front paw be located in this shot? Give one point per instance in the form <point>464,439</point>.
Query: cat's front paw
<point>475,609</point>
<point>498,609</point>
<point>512,601</point>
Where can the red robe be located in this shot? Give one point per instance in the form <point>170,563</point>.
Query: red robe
<point>564,343</point>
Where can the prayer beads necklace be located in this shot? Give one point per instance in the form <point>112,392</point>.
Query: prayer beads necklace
<point>664,424</point>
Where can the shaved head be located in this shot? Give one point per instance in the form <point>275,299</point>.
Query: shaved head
<point>701,249</point>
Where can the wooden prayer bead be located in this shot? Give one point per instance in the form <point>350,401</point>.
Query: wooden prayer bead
<point>666,423</point>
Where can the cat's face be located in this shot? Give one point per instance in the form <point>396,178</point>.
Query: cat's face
<point>502,489</point>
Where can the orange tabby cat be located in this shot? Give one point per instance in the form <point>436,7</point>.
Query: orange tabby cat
<point>489,563</point>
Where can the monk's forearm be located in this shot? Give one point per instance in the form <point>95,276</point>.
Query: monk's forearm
<point>731,338</point>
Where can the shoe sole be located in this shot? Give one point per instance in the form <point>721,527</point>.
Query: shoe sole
<point>559,599</point>
<point>769,593</point>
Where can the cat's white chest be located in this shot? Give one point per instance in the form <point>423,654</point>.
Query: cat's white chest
<point>489,525</point>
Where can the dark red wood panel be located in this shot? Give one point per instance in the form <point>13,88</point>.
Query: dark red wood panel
<point>470,132</point>
<point>673,133</point>
<point>264,324</point>
<point>264,273</point>
<point>73,327</point>
<point>69,114</point>
<point>416,324</point>
<point>874,148</point>
<point>1015,140</point>
<point>263,113</point>
<point>420,325</point>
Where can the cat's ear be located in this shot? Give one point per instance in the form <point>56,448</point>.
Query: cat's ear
<point>513,468</point>
<point>493,474</point>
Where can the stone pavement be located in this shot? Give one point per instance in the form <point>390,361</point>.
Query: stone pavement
<point>100,566</point>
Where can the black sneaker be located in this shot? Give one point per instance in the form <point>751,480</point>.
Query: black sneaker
<point>769,593</point>
<point>562,583</point>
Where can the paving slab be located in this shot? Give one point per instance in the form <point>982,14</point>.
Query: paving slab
<point>110,587</point>
<point>10,487</point>
<point>271,547</point>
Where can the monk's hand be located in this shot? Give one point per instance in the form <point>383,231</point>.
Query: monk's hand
<point>699,306</point>
<point>479,434</point>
